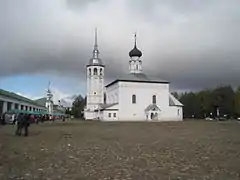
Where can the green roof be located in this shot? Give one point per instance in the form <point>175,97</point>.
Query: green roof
<point>27,112</point>
<point>34,112</point>
<point>41,101</point>
<point>18,97</point>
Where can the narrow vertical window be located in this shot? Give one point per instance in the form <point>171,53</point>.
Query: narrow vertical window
<point>154,99</point>
<point>104,98</point>
<point>114,114</point>
<point>134,99</point>
<point>109,114</point>
<point>101,71</point>
<point>95,71</point>
<point>90,73</point>
<point>178,112</point>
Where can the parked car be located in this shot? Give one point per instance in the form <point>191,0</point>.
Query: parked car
<point>209,119</point>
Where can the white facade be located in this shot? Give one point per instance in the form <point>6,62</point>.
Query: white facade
<point>135,97</point>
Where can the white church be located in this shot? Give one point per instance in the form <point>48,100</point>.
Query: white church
<point>133,97</point>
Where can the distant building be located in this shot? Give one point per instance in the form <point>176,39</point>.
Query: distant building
<point>10,101</point>
<point>133,97</point>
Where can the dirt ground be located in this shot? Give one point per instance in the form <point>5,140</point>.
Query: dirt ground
<point>139,151</point>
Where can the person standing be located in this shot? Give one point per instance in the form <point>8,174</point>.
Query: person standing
<point>19,124</point>
<point>26,123</point>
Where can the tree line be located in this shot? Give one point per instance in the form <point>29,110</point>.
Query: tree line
<point>207,102</point>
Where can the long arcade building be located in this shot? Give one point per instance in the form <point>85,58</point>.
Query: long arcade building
<point>12,101</point>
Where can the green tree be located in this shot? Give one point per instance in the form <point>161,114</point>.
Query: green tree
<point>202,103</point>
<point>205,100</point>
<point>223,99</point>
<point>78,107</point>
<point>191,104</point>
<point>176,95</point>
<point>237,102</point>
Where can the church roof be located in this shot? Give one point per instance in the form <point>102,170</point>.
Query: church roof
<point>95,61</point>
<point>137,77</point>
<point>152,107</point>
<point>41,101</point>
<point>105,106</point>
<point>173,101</point>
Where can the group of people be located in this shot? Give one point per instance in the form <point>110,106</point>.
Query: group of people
<point>23,122</point>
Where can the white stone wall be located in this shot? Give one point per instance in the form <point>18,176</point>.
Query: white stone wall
<point>110,115</point>
<point>89,115</point>
<point>112,94</point>
<point>144,93</point>
<point>172,113</point>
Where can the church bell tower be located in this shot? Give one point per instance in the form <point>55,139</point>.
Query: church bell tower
<point>49,100</point>
<point>95,83</point>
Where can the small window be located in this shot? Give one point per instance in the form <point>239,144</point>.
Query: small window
<point>109,114</point>
<point>95,71</point>
<point>90,73</point>
<point>114,114</point>
<point>101,71</point>
<point>154,99</point>
<point>104,98</point>
<point>94,93</point>
<point>134,99</point>
<point>178,112</point>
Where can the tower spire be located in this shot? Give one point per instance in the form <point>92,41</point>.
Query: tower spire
<point>135,39</point>
<point>48,84</point>
<point>95,45</point>
<point>48,88</point>
<point>95,49</point>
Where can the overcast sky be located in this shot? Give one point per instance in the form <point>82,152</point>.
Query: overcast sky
<point>192,43</point>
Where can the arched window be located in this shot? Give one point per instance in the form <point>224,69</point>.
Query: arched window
<point>90,73</point>
<point>101,71</point>
<point>95,71</point>
<point>154,99</point>
<point>134,99</point>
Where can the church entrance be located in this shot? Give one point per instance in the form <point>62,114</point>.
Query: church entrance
<point>152,112</point>
<point>154,116</point>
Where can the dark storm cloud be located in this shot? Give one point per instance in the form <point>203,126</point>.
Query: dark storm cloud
<point>192,43</point>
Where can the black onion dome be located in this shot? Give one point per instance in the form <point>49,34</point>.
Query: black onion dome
<point>135,52</point>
